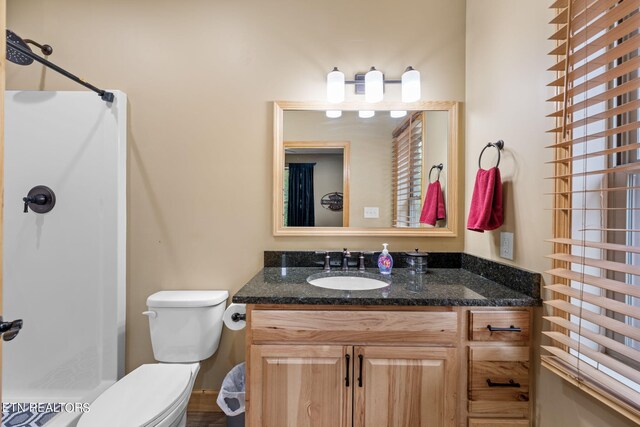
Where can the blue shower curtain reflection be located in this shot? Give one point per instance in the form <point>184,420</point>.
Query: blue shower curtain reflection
<point>300,210</point>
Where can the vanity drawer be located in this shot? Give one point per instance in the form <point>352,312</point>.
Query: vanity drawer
<point>512,325</point>
<point>499,374</point>
<point>497,422</point>
<point>502,409</point>
<point>354,327</point>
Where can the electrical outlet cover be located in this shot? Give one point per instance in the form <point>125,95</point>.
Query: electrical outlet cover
<point>506,245</point>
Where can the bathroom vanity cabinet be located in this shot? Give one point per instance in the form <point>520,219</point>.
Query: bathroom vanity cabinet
<point>387,366</point>
<point>448,348</point>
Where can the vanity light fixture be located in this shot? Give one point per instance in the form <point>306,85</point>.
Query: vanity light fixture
<point>366,114</point>
<point>371,84</point>
<point>410,85</point>
<point>335,86</point>
<point>397,114</point>
<point>333,114</point>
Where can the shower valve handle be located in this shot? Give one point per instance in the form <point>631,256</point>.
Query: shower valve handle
<point>9,330</point>
<point>41,199</point>
<point>38,199</point>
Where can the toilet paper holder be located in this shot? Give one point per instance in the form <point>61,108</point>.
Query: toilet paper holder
<point>235,317</point>
<point>238,317</point>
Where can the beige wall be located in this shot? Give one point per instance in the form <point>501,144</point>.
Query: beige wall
<point>505,99</point>
<point>200,76</point>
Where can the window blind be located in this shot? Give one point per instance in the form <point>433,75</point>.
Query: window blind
<point>407,176</point>
<point>593,299</point>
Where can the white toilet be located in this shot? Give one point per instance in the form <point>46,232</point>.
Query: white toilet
<point>185,329</point>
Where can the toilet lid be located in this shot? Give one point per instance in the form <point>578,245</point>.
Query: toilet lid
<point>141,397</point>
<point>187,298</point>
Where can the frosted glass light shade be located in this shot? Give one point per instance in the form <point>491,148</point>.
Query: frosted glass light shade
<point>410,85</point>
<point>396,114</point>
<point>335,86</point>
<point>333,114</point>
<point>366,114</point>
<point>373,86</point>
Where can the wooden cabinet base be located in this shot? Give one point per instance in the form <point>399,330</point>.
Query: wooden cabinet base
<point>387,367</point>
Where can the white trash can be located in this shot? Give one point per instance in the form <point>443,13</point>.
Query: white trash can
<point>231,396</point>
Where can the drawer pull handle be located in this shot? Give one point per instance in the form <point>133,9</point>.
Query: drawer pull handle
<point>509,329</point>
<point>346,380</point>
<point>360,374</point>
<point>511,383</point>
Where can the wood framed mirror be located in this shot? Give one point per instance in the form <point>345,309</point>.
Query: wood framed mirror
<point>388,175</point>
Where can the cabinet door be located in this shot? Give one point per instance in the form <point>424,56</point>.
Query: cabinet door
<point>405,387</point>
<point>300,386</point>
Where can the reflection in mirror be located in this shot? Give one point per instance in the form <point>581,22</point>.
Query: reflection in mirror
<point>380,175</point>
<point>316,184</point>
<point>388,173</point>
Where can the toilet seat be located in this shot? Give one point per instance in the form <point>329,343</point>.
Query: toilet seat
<point>144,397</point>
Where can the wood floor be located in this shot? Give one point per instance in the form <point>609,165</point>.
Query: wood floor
<point>206,419</point>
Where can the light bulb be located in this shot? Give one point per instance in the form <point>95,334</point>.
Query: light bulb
<point>334,114</point>
<point>366,114</point>
<point>410,85</point>
<point>335,86</point>
<point>396,114</point>
<point>373,85</point>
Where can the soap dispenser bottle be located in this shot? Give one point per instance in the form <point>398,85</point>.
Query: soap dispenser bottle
<point>385,262</point>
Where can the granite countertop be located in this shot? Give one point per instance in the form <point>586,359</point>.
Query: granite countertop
<point>438,287</point>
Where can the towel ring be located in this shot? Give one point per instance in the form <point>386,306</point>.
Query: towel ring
<point>439,167</point>
<point>499,145</point>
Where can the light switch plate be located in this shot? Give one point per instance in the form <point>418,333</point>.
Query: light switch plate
<point>506,245</point>
<point>372,212</point>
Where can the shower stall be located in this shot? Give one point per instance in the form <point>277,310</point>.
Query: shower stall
<point>64,268</point>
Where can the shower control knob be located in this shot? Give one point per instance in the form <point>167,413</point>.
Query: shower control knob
<point>41,199</point>
<point>9,330</point>
<point>38,199</point>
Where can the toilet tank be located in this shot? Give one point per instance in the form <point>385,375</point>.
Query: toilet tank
<point>185,326</point>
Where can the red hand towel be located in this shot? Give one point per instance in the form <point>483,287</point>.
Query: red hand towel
<point>486,203</point>
<point>433,208</point>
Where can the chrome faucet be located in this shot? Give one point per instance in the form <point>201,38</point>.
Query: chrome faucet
<point>345,259</point>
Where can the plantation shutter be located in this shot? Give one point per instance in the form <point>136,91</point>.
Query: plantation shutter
<point>593,298</point>
<point>408,154</point>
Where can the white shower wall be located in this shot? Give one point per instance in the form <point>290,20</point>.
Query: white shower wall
<point>64,271</point>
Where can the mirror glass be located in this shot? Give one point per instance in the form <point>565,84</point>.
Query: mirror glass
<point>353,175</point>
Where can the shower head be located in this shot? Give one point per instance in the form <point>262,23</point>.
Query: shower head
<point>20,53</point>
<point>44,48</point>
<point>14,55</point>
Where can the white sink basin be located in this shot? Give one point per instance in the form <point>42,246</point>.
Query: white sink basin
<point>347,283</point>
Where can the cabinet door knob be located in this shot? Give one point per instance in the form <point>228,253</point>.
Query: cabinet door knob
<point>360,357</point>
